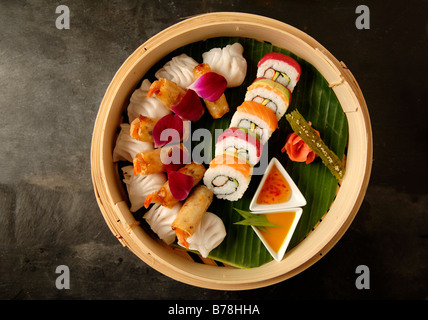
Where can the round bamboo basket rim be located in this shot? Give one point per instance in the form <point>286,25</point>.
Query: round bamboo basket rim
<point>111,197</point>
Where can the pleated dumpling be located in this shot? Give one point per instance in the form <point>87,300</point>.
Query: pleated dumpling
<point>150,107</point>
<point>126,147</point>
<point>160,219</point>
<point>140,186</point>
<point>179,70</point>
<point>228,62</point>
<point>208,235</point>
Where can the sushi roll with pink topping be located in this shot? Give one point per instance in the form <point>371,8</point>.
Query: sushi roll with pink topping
<point>279,67</point>
<point>242,142</point>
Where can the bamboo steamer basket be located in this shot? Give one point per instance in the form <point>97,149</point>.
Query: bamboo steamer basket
<point>176,264</point>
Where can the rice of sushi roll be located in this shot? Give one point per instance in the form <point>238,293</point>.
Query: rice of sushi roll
<point>255,117</point>
<point>240,141</point>
<point>279,67</point>
<point>271,94</point>
<point>228,176</point>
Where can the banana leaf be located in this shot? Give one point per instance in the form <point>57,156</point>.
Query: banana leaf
<point>318,104</point>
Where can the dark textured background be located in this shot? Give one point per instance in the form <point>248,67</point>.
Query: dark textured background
<point>51,85</point>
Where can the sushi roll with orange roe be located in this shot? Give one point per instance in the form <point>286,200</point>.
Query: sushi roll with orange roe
<point>228,176</point>
<point>257,118</point>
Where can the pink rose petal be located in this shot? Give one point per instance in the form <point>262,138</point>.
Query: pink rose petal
<point>190,107</point>
<point>210,86</point>
<point>168,129</point>
<point>180,184</point>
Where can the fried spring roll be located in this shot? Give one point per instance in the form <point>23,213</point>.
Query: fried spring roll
<point>167,91</point>
<point>142,128</point>
<point>219,108</point>
<point>148,162</point>
<point>164,196</point>
<point>160,159</point>
<point>190,214</point>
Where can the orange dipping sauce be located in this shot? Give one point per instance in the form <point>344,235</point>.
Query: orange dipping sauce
<point>275,188</point>
<point>275,236</point>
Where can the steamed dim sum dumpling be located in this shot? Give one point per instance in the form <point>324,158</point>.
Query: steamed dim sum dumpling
<point>208,235</point>
<point>127,147</point>
<point>179,70</point>
<point>150,107</point>
<point>140,186</point>
<point>229,62</point>
<point>160,219</point>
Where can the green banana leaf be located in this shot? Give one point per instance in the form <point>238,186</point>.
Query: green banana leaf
<point>318,104</point>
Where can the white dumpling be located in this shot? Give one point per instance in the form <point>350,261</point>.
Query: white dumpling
<point>179,70</point>
<point>228,62</point>
<point>126,147</point>
<point>139,187</point>
<point>150,107</point>
<point>160,219</point>
<point>208,235</point>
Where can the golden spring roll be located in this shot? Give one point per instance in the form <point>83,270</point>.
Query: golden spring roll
<point>142,128</point>
<point>148,162</point>
<point>190,214</point>
<point>168,92</point>
<point>158,160</point>
<point>219,108</point>
<point>164,196</point>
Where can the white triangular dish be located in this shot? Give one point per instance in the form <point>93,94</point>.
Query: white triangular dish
<point>296,199</point>
<point>280,254</point>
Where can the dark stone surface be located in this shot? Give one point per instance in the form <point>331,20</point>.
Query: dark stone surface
<point>52,82</point>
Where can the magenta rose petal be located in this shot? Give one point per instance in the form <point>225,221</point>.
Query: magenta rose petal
<point>168,129</point>
<point>190,107</point>
<point>209,86</point>
<point>180,184</point>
